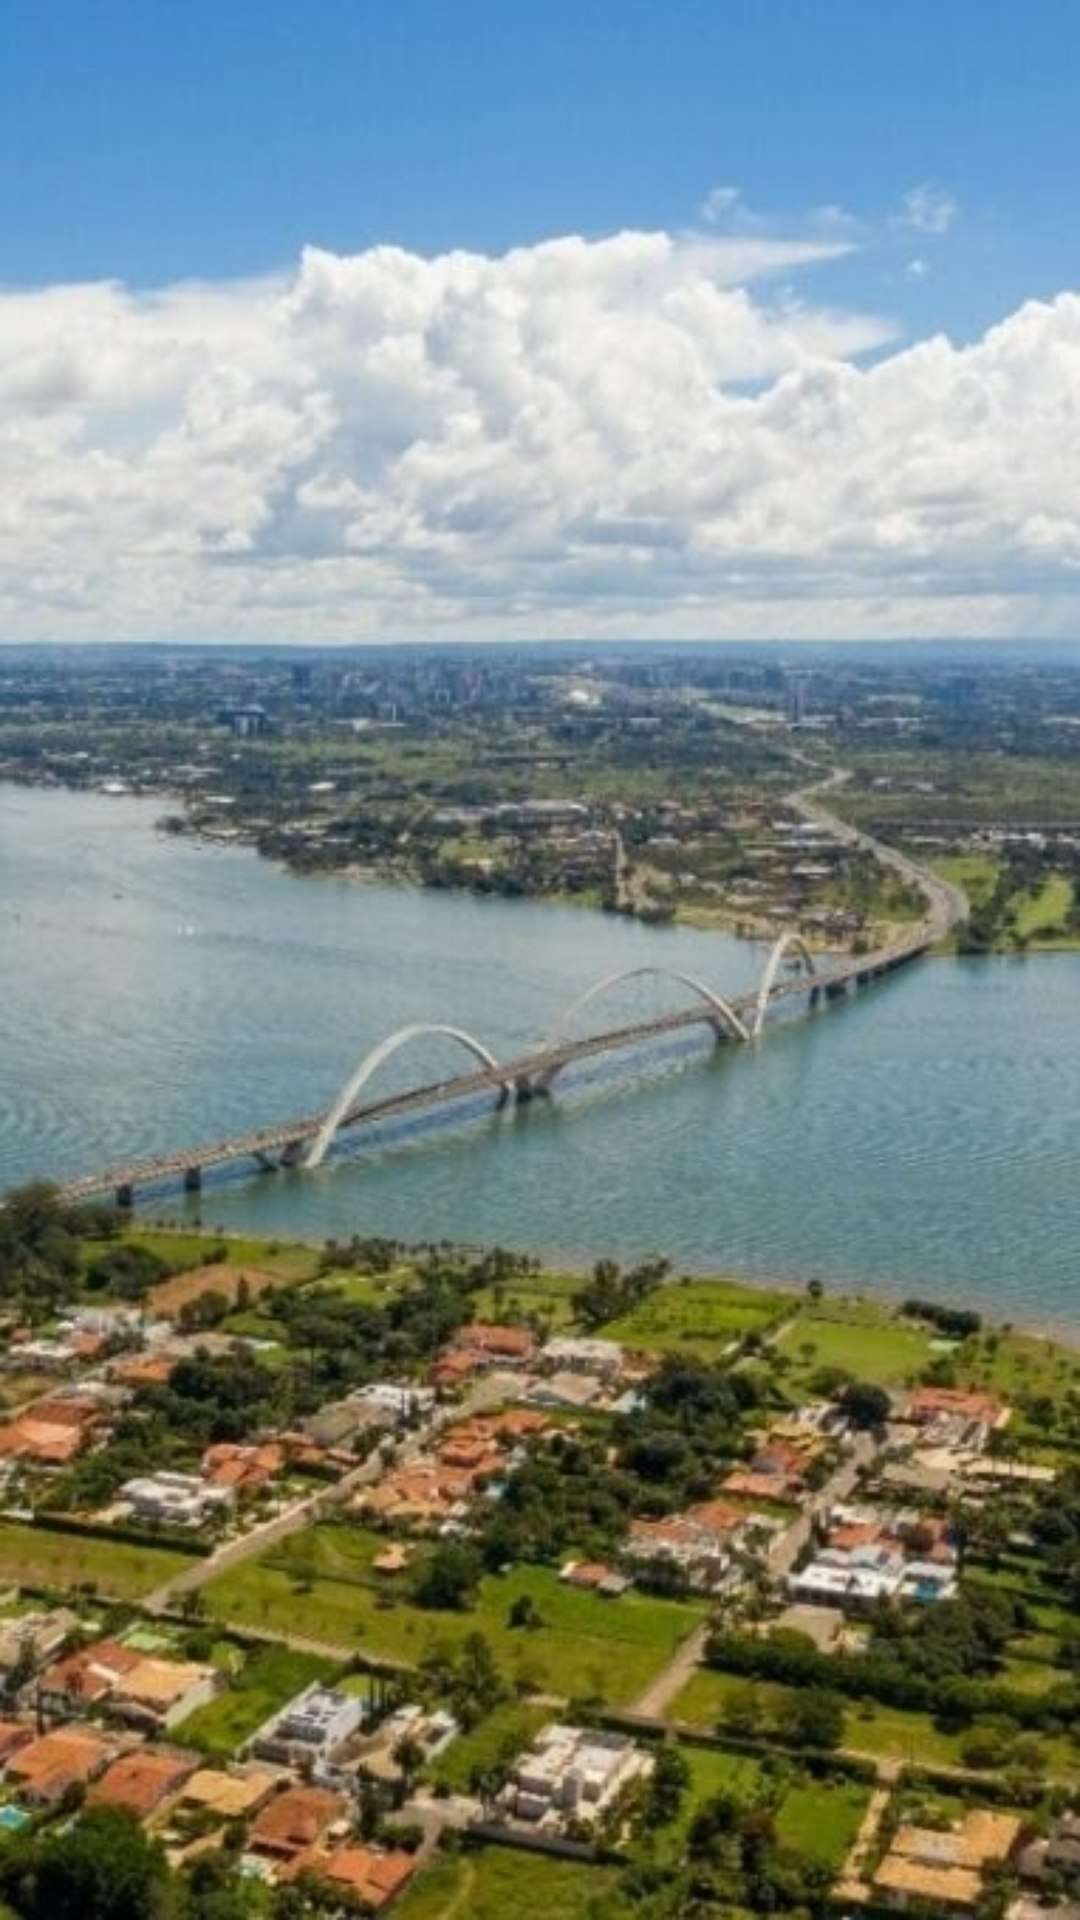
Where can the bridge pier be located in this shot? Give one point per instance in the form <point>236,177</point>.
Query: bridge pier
<point>292,1153</point>
<point>192,1179</point>
<point>125,1196</point>
<point>835,989</point>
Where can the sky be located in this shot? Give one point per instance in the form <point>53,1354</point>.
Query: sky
<point>464,319</point>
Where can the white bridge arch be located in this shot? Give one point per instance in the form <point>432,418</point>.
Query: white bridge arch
<point>724,1015</point>
<point>371,1063</point>
<point>790,942</point>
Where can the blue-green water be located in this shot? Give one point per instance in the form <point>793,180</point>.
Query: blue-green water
<point>153,993</point>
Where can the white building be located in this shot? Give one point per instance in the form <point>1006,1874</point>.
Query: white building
<point>174,1499</point>
<point>570,1354</point>
<point>572,1774</point>
<point>311,1727</point>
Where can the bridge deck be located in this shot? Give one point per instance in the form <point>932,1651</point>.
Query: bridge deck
<point>530,1068</point>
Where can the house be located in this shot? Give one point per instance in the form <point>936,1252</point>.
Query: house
<point>233,1794</point>
<point>175,1499</point>
<point>311,1727</point>
<point>946,1868</point>
<point>572,1773</point>
<point>699,1541</point>
<point>241,1469</point>
<point>35,1637</point>
<point>1056,1854</point>
<point>374,1876</point>
<point>141,1780</point>
<point>583,1354</point>
<point>86,1677</point>
<point>594,1576</point>
<point>41,1439</point>
<point>156,1694</point>
<point>509,1346</point>
<point>572,1390</point>
<point>13,1735</point>
<point>955,1415</point>
<point>394,1405</point>
<point>43,1770</point>
<point>777,1470</point>
<point>293,1822</point>
<point>1025,1908</point>
<point>453,1368</point>
<point>144,1370</point>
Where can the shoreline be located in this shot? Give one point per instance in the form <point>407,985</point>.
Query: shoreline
<point>885,1293</point>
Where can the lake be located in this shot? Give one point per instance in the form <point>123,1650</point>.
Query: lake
<point>921,1137</point>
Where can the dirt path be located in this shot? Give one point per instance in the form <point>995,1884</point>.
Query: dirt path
<point>671,1681</point>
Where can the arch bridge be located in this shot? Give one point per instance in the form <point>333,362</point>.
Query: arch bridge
<point>305,1141</point>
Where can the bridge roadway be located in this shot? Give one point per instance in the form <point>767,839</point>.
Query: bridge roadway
<point>521,1078</point>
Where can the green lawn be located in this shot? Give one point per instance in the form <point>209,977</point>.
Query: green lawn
<point>490,1883</point>
<point>862,1336</point>
<point>1043,914</point>
<point>883,1731</point>
<point>268,1678</point>
<point>37,1557</point>
<point>180,1250</point>
<point>546,1294</point>
<point>506,1731</point>
<point>699,1316</point>
<point>822,1817</point>
<point>586,1644</point>
<point>713,1770</point>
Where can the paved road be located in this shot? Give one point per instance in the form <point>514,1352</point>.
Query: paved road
<point>783,1554</point>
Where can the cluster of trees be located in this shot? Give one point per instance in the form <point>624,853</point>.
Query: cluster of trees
<point>103,1866</point>
<point>734,1862</point>
<point>943,1660</point>
<point>956,1323</point>
<point>609,1293</point>
<point>41,1246</point>
<point>571,1492</point>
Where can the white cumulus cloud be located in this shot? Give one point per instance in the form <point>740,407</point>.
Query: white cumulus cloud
<point>648,434</point>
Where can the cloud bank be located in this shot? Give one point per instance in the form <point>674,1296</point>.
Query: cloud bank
<point>644,435</point>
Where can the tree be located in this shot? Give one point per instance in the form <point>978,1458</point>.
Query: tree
<point>865,1405</point>
<point>668,1785</point>
<point>448,1577</point>
<point>813,1717</point>
<point>102,1866</point>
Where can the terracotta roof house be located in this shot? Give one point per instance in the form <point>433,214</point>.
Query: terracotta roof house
<point>141,1780</point>
<point>512,1345</point>
<point>13,1735</point>
<point>375,1877</point>
<point>157,1693</point>
<point>247,1469</point>
<point>144,1370</point>
<point>44,1770</point>
<point>454,1367</point>
<point>946,1868</point>
<point>235,1794</point>
<point>87,1676</point>
<point>935,1403</point>
<point>294,1821</point>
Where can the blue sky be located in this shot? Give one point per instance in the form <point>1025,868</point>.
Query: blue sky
<point>471,319</point>
<point>215,137</point>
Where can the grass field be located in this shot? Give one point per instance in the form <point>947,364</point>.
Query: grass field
<point>37,1557</point>
<point>286,1260</point>
<point>859,1335</point>
<point>712,1771</point>
<point>822,1817</point>
<point>699,1316</point>
<point>869,1728</point>
<point>585,1645</point>
<point>492,1882</point>
<point>546,1294</point>
<point>268,1678</point>
<point>502,1733</point>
